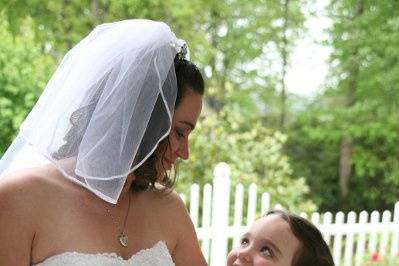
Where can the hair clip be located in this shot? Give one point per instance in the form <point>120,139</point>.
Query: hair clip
<point>182,49</point>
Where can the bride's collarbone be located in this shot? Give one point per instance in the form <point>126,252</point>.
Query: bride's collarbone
<point>76,226</point>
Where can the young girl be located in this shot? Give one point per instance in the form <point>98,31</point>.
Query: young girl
<point>281,239</point>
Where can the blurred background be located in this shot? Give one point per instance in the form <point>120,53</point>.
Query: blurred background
<point>302,96</point>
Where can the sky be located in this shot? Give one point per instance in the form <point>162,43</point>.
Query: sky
<point>308,62</point>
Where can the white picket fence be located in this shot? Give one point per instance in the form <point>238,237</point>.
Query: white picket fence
<point>350,238</point>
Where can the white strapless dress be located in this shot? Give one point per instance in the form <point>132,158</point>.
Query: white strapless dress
<point>158,255</point>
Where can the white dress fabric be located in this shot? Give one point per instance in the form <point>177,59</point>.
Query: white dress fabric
<point>158,255</point>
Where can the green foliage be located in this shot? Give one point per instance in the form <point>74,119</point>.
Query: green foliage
<point>64,23</point>
<point>314,147</point>
<point>254,154</point>
<point>362,103</point>
<point>228,39</point>
<point>24,70</point>
<point>366,36</point>
<point>246,40</point>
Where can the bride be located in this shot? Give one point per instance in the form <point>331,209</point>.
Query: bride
<point>96,152</point>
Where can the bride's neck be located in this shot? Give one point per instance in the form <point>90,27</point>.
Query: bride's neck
<point>126,188</point>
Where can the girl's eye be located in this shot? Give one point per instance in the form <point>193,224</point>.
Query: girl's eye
<point>244,242</point>
<point>266,251</point>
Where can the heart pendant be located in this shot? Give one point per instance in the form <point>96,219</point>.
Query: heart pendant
<point>123,240</point>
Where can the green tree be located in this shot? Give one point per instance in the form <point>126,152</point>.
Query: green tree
<point>350,132</point>
<point>24,71</point>
<point>231,40</point>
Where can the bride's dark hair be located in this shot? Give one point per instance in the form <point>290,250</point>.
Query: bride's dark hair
<point>147,175</point>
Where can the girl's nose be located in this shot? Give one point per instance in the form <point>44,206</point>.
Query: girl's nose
<point>244,254</point>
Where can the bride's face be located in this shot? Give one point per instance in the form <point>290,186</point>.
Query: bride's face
<point>183,123</point>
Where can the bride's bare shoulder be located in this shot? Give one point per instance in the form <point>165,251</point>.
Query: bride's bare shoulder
<point>29,189</point>
<point>167,205</point>
<point>24,197</point>
<point>164,199</point>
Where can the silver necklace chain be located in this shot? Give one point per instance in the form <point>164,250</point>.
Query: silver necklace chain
<point>122,237</point>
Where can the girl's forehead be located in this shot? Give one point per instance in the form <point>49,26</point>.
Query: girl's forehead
<point>275,229</point>
<point>271,222</point>
<point>272,227</point>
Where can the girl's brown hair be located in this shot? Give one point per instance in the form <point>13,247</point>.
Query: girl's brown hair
<point>314,250</point>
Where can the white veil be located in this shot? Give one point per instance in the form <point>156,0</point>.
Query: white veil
<point>105,109</point>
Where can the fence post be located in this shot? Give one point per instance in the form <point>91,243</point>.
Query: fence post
<point>360,247</point>
<point>375,218</point>
<point>265,203</point>
<point>206,220</point>
<point>339,220</point>
<point>251,204</point>
<point>315,218</point>
<point>395,235</point>
<point>386,220</point>
<point>327,221</point>
<point>238,204</point>
<point>349,240</point>
<point>194,204</point>
<point>220,214</point>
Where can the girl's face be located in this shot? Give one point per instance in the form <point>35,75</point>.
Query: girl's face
<point>269,242</point>
<point>184,120</point>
